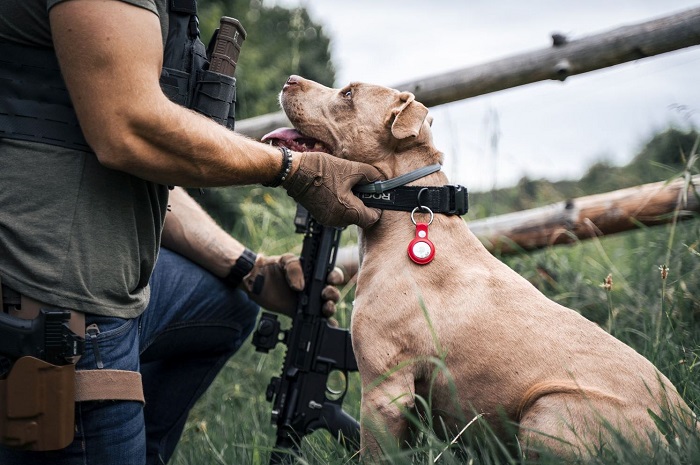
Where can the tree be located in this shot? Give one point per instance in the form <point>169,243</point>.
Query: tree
<point>666,153</point>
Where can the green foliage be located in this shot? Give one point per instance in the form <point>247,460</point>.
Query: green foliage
<point>231,424</point>
<point>668,150</point>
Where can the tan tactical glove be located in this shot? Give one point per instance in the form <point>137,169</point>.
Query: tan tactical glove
<point>323,185</point>
<point>274,283</point>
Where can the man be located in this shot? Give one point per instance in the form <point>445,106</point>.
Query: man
<point>81,229</point>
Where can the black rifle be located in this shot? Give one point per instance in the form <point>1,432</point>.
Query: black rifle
<point>314,350</point>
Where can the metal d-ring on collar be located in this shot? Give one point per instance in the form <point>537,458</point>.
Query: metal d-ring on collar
<point>422,207</point>
<point>379,187</point>
<point>418,197</point>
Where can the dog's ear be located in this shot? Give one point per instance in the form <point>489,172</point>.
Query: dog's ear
<point>408,116</point>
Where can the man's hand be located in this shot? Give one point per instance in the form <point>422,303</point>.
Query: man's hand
<point>323,185</point>
<point>274,283</point>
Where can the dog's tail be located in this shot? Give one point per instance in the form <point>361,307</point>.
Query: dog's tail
<point>539,390</point>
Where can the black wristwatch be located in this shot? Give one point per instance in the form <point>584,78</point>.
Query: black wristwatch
<point>241,268</point>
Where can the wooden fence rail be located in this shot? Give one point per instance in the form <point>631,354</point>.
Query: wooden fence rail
<point>564,58</point>
<point>578,219</point>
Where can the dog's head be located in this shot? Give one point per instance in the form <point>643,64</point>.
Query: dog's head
<point>360,122</point>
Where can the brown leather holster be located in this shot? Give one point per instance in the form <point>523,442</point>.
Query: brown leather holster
<point>38,406</point>
<point>37,398</point>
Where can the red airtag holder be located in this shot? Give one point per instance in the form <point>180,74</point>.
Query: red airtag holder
<point>420,249</point>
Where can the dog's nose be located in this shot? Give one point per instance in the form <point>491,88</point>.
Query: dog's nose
<point>292,81</point>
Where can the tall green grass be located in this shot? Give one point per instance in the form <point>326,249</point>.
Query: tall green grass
<point>651,302</point>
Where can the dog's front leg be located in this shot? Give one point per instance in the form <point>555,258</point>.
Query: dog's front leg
<point>385,402</point>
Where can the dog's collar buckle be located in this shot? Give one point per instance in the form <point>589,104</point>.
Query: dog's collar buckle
<point>460,200</point>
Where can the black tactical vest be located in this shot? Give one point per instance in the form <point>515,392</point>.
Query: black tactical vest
<point>35,105</point>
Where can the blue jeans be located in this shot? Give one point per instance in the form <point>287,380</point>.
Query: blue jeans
<point>193,324</point>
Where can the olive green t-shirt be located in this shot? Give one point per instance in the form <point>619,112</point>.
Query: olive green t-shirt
<point>73,233</point>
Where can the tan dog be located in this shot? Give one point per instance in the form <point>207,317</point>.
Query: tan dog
<point>508,349</point>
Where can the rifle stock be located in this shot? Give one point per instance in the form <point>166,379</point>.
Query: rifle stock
<point>301,399</point>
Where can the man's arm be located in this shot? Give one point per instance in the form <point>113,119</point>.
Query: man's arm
<point>111,57</point>
<point>111,53</point>
<point>191,232</point>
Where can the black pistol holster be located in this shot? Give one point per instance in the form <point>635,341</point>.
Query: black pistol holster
<point>38,381</point>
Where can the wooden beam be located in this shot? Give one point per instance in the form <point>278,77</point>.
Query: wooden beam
<point>564,58</point>
<point>568,58</point>
<point>591,216</point>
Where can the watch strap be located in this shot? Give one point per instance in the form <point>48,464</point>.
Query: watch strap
<point>241,268</point>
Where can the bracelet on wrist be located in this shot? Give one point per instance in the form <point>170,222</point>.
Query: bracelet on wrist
<point>241,268</point>
<point>285,170</point>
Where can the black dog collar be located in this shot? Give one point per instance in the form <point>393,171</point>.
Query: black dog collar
<point>450,200</point>
<point>392,194</point>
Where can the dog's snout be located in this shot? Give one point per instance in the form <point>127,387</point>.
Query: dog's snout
<point>292,81</point>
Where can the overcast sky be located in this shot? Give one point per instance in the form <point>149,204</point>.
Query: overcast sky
<point>548,130</point>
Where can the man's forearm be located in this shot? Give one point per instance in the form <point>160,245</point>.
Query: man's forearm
<point>196,152</point>
<point>192,233</point>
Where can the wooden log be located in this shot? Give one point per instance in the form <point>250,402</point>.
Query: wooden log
<point>564,58</point>
<point>577,219</point>
<point>588,217</point>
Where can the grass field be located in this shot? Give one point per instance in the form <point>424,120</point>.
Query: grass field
<point>653,305</point>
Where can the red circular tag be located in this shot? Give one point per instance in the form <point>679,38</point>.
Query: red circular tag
<point>420,249</point>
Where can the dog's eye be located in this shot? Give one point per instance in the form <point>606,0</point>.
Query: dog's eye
<point>347,93</point>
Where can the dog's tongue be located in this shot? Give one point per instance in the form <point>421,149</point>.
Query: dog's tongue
<point>294,140</point>
<point>285,135</point>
